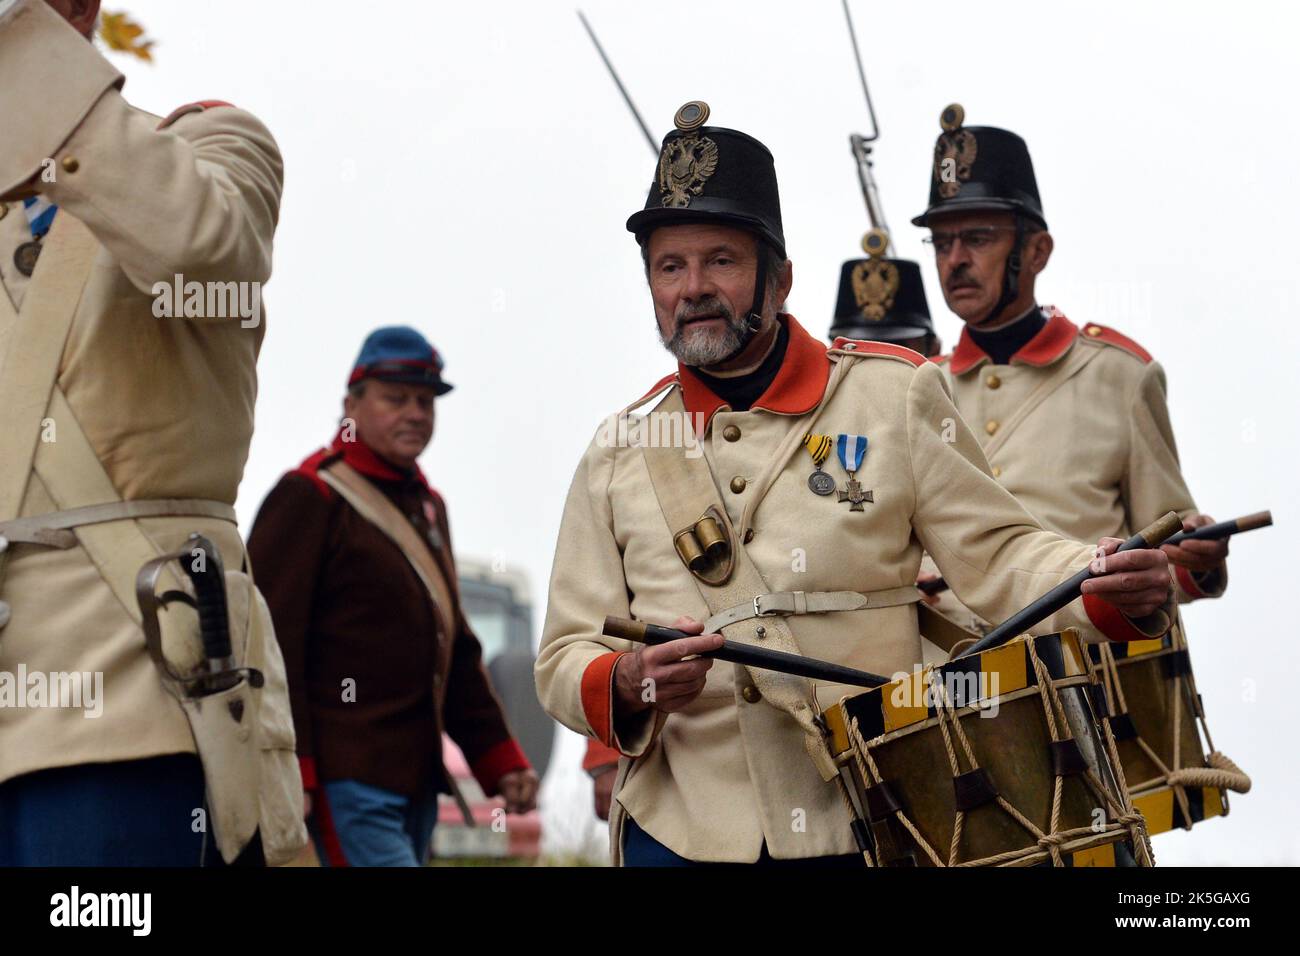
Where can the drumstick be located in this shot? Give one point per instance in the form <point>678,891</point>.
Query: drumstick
<point>746,654</point>
<point>1151,536</point>
<point>1224,529</point>
<point>933,586</point>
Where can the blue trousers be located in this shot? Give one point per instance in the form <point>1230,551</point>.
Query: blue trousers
<point>130,813</point>
<point>373,827</point>
<point>641,849</point>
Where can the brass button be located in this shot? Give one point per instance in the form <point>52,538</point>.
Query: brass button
<point>751,694</point>
<point>993,381</point>
<point>737,484</point>
<point>997,471</point>
<point>70,164</point>
<point>749,535</point>
<point>4,613</point>
<point>1094,330</point>
<point>731,433</point>
<point>990,426</point>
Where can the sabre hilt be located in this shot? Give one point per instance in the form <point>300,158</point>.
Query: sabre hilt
<point>207,573</point>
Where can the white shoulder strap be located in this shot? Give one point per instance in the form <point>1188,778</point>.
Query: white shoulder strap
<point>369,502</point>
<point>32,349</point>
<point>685,489</point>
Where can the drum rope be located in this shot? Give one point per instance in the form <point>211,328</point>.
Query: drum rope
<point>1047,845</point>
<point>1220,772</point>
<point>1132,818</point>
<point>1051,841</point>
<point>1180,793</point>
<point>870,772</point>
<point>1120,805</point>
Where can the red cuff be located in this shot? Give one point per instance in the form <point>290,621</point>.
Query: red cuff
<point>598,696</point>
<point>307,767</point>
<point>1193,588</point>
<point>1111,621</point>
<point>499,760</point>
<point>598,755</point>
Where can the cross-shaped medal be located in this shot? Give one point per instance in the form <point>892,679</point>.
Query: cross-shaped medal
<point>855,494</point>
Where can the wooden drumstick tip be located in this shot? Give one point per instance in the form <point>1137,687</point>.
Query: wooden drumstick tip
<point>623,629</point>
<point>1260,519</point>
<point>1163,527</point>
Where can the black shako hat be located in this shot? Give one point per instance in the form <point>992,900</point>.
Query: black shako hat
<point>979,168</point>
<point>882,300</point>
<point>711,174</point>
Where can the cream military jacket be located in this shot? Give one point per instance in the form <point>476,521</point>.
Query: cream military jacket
<point>1077,428</point>
<point>717,779</point>
<point>166,403</point>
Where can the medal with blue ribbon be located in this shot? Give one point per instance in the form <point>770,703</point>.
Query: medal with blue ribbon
<point>40,216</point>
<point>851,450</point>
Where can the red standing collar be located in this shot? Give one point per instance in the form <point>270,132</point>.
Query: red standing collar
<point>799,385</point>
<point>1052,341</point>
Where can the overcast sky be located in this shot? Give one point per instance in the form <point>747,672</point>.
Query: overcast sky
<point>467,169</point>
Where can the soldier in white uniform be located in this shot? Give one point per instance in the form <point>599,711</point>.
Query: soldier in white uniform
<point>127,426</point>
<point>822,475</point>
<point>1072,418</point>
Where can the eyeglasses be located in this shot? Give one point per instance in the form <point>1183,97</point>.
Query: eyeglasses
<point>976,240</point>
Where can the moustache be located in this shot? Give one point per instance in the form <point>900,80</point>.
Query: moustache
<point>705,309</point>
<point>962,281</point>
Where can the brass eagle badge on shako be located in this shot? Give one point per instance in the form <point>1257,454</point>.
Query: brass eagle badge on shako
<point>875,282</point>
<point>954,152</point>
<point>687,161</point>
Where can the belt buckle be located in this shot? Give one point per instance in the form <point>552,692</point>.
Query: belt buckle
<point>758,611</point>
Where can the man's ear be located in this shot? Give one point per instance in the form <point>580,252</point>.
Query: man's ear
<point>83,15</point>
<point>1038,250</point>
<point>784,282</point>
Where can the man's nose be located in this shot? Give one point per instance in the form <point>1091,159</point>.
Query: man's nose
<point>415,412</point>
<point>698,283</point>
<point>957,254</point>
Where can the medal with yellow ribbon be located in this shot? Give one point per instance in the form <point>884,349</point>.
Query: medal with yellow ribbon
<point>819,448</point>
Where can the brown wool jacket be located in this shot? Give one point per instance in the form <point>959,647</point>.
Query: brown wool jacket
<point>348,607</point>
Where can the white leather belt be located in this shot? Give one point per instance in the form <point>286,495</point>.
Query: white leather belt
<point>788,603</point>
<point>54,530</point>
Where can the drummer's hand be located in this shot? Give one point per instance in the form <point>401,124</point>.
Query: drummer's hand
<point>923,576</point>
<point>1136,582</point>
<point>1196,555</point>
<point>655,676</point>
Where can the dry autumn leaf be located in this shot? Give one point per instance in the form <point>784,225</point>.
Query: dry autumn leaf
<point>122,34</point>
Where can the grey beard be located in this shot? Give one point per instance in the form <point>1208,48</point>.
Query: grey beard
<point>698,348</point>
